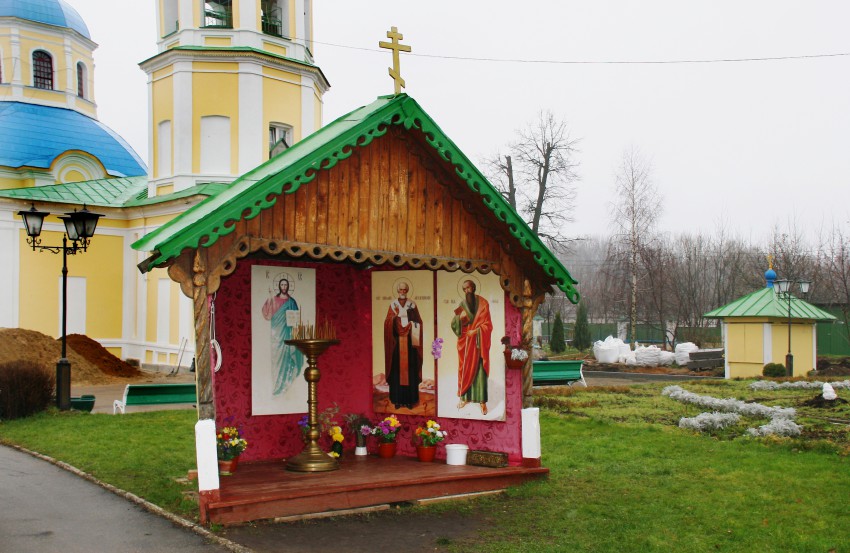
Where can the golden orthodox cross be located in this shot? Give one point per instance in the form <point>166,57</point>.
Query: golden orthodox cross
<point>396,47</point>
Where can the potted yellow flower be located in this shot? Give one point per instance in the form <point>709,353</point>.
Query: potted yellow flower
<point>429,436</point>
<point>230,445</point>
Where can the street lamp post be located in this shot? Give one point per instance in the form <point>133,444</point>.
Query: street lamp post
<point>79,228</point>
<point>783,292</point>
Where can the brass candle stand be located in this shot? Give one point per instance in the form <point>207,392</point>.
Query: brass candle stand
<point>312,458</point>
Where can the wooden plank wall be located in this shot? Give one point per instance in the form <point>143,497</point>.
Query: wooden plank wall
<point>392,197</point>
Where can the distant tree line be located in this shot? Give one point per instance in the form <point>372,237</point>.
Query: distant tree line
<point>681,277</point>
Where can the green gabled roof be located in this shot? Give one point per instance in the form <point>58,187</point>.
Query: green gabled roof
<point>117,193</point>
<point>256,190</point>
<point>765,303</point>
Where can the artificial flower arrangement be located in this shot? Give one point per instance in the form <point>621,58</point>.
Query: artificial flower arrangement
<point>515,356</point>
<point>387,429</point>
<point>337,438</point>
<point>430,434</point>
<point>359,426</point>
<point>229,443</point>
<point>325,419</point>
<point>518,354</point>
<point>437,348</point>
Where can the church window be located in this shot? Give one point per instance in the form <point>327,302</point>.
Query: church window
<point>81,80</point>
<point>215,145</point>
<point>170,22</point>
<point>218,13</point>
<point>275,17</point>
<point>280,138</point>
<point>42,70</point>
<point>308,24</point>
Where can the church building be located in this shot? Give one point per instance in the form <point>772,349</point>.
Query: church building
<point>233,83</point>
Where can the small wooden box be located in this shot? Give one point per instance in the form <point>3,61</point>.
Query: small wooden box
<point>483,458</point>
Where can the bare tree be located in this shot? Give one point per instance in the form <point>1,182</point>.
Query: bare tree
<point>834,257</point>
<point>538,177</point>
<point>634,213</point>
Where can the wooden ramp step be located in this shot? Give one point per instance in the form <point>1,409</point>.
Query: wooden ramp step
<point>266,490</point>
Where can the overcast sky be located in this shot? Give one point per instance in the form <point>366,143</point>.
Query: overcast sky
<point>753,144</point>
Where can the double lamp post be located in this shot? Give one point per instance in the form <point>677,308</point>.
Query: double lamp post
<point>783,292</point>
<point>79,228</point>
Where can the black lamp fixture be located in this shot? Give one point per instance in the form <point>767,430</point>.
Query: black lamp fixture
<point>783,292</point>
<point>79,229</point>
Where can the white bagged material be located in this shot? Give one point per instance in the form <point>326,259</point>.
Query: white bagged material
<point>683,352</point>
<point>829,392</point>
<point>666,358</point>
<point>648,356</point>
<point>607,351</point>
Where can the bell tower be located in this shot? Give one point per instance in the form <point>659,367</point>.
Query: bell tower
<point>233,83</point>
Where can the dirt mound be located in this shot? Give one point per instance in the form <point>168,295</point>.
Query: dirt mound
<point>100,357</point>
<point>821,403</point>
<point>21,344</point>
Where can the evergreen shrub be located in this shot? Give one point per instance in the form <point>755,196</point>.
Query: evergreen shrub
<point>774,370</point>
<point>26,388</point>
<point>581,337</point>
<point>557,342</point>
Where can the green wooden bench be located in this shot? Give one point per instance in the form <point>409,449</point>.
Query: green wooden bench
<point>566,371</point>
<point>83,403</point>
<point>155,394</point>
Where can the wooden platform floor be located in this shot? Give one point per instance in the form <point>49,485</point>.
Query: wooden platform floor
<point>266,490</point>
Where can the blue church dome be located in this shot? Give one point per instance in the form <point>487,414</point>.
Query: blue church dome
<point>33,136</point>
<point>51,12</point>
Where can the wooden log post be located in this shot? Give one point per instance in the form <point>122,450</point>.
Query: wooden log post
<point>203,372</point>
<point>527,311</point>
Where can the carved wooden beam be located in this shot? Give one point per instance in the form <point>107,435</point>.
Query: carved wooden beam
<point>530,302</point>
<point>203,372</point>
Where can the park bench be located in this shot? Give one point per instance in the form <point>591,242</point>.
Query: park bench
<point>83,403</point>
<point>155,394</point>
<point>566,371</point>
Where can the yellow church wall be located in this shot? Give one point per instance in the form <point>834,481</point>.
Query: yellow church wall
<point>174,314</point>
<point>153,279</point>
<point>73,175</point>
<point>217,41</point>
<point>282,100</point>
<point>11,182</point>
<point>274,48</point>
<point>163,110</point>
<point>208,90</point>
<point>39,292</point>
<point>317,112</point>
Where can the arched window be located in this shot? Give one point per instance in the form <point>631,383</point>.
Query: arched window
<point>170,17</point>
<point>218,13</point>
<point>42,70</point>
<point>275,17</point>
<point>81,80</point>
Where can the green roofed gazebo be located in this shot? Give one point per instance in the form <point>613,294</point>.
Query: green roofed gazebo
<point>755,331</point>
<point>380,186</point>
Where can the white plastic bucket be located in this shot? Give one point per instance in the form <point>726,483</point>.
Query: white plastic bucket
<point>456,454</point>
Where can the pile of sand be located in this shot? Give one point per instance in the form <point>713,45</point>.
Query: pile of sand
<point>89,365</point>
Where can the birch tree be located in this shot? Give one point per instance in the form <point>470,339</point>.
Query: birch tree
<point>634,213</point>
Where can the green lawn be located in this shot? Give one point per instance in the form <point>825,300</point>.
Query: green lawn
<point>623,477</point>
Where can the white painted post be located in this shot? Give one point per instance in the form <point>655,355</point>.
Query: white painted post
<point>531,436</point>
<point>207,456</point>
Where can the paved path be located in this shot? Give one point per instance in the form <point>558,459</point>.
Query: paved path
<point>106,394</point>
<point>46,509</point>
